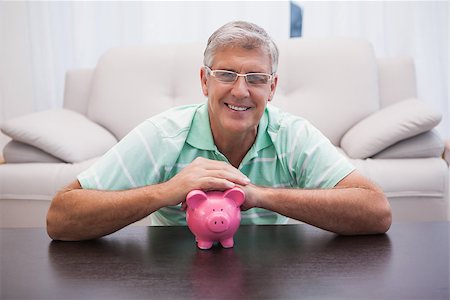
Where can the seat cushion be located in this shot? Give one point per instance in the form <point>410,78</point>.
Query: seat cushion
<point>407,178</point>
<point>17,152</point>
<point>37,181</point>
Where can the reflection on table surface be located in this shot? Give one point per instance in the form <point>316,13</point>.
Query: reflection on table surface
<point>273,262</point>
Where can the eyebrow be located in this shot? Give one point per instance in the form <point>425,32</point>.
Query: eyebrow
<point>232,70</point>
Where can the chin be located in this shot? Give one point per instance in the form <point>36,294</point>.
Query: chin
<point>240,129</point>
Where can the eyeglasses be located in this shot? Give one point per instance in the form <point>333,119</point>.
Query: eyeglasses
<point>230,76</point>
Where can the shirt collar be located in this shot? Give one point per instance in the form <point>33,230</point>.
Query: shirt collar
<point>200,135</point>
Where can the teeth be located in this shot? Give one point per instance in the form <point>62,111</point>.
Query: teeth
<point>237,108</point>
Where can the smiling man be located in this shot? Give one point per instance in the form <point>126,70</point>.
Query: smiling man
<point>285,166</point>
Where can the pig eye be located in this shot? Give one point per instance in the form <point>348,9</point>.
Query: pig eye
<point>214,209</point>
<point>221,209</point>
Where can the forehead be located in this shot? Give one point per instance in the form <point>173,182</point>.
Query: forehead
<point>241,59</point>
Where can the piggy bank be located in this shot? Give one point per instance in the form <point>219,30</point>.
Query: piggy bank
<point>214,216</point>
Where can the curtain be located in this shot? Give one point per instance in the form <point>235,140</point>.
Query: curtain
<point>39,41</point>
<point>418,29</point>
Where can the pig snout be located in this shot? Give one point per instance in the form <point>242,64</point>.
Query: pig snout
<point>218,222</point>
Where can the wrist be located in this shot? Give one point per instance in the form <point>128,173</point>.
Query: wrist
<point>257,195</point>
<point>262,197</point>
<point>168,194</point>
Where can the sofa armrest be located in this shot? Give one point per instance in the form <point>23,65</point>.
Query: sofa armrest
<point>427,144</point>
<point>17,152</point>
<point>446,154</point>
<point>63,133</point>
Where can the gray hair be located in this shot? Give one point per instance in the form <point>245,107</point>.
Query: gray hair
<point>241,34</point>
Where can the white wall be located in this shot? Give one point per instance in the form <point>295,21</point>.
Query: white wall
<point>419,29</point>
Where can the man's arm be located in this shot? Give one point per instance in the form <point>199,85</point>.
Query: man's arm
<point>79,214</point>
<point>353,206</point>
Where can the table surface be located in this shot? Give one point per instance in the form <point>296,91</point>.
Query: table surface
<point>411,261</point>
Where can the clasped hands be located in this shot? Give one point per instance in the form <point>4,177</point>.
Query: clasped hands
<point>206,174</point>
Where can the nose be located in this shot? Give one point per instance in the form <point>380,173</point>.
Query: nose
<point>240,88</point>
<point>218,222</point>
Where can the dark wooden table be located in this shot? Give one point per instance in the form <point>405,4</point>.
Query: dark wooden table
<point>267,262</point>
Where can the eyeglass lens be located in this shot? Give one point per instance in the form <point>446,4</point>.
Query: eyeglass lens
<point>251,78</point>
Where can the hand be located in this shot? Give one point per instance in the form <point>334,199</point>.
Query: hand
<point>252,192</point>
<point>203,174</point>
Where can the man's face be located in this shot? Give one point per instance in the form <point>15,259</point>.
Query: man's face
<point>236,108</point>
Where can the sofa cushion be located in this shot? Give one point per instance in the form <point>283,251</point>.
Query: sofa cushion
<point>62,133</point>
<point>427,144</point>
<point>388,126</point>
<point>38,181</point>
<point>407,178</point>
<point>332,82</point>
<point>17,152</point>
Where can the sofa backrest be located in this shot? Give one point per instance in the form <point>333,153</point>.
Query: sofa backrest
<point>131,84</point>
<point>77,89</point>
<point>331,82</point>
<point>396,79</point>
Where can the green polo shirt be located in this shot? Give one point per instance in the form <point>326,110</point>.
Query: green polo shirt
<point>288,153</point>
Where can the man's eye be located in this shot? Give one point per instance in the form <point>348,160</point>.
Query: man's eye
<point>226,75</point>
<point>257,78</point>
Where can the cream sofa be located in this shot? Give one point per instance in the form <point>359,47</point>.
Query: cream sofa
<point>366,106</point>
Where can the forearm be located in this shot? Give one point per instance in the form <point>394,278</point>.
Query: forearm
<point>80,214</point>
<point>352,210</point>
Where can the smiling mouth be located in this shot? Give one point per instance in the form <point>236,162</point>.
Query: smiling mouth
<point>237,108</point>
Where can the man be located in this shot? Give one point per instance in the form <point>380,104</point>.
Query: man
<point>285,166</point>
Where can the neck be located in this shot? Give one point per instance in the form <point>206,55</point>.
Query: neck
<point>234,147</point>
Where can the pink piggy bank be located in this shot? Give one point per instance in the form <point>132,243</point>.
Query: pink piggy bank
<point>214,216</point>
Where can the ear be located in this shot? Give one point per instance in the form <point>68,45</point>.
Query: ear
<point>236,194</point>
<point>273,86</point>
<point>204,81</point>
<point>195,198</point>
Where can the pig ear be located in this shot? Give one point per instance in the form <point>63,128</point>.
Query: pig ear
<point>195,198</point>
<point>236,194</point>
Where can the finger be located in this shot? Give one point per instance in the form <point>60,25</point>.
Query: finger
<point>209,164</point>
<point>214,183</point>
<point>230,175</point>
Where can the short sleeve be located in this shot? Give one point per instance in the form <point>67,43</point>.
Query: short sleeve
<point>315,161</point>
<point>145,156</point>
<point>137,160</point>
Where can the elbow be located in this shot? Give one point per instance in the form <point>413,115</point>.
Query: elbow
<point>60,217</point>
<point>387,222</point>
<point>383,216</point>
<point>56,229</point>
<point>376,220</point>
<point>384,223</point>
<point>53,228</point>
<point>52,232</point>
<point>56,220</point>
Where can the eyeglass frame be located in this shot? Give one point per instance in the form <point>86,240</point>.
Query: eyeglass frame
<point>211,72</point>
